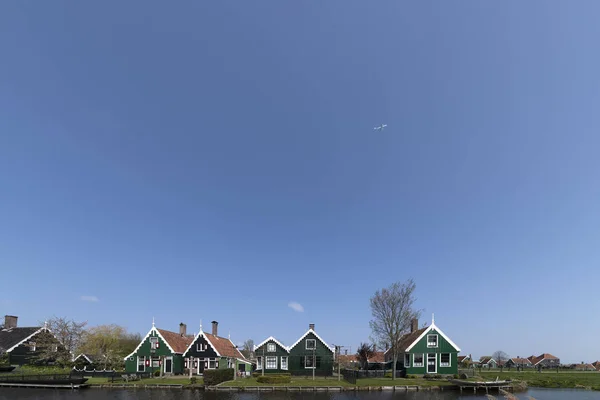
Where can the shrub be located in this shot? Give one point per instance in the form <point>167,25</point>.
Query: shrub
<point>455,376</point>
<point>193,380</point>
<point>157,372</point>
<point>215,376</point>
<point>409,376</point>
<point>274,378</point>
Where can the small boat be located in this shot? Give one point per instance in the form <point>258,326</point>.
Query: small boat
<point>43,379</point>
<point>496,383</point>
<point>6,368</point>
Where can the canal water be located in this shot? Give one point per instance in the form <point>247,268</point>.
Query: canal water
<point>177,394</point>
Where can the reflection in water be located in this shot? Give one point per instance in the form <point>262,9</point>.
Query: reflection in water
<point>155,394</point>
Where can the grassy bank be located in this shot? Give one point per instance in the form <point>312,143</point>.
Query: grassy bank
<point>176,380</point>
<point>549,379</point>
<point>320,382</point>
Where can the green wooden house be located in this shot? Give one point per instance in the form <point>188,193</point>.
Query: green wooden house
<point>160,350</point>
<point>272,356</point>
<point>426,351</point>
<point>211,351</point>
<point>311,353</point>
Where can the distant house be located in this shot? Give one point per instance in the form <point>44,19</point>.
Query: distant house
<point>426,351</point>
<point>518,362</point>
<point>23,345</point>
<point>545,360</point>
<point>487,362</point>
<point>211,351</point>
<point>311,353</point>
<point>348,361</point>
<point>596,365</point>
<point>377,360</point>
<point>160,350</point>
<point>464,360</point>
<point>272,356</point>
<point>85,361</point>
<point>585,367</point>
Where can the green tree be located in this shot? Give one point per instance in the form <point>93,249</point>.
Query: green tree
<point>58,341</point>
<point>108,344</point>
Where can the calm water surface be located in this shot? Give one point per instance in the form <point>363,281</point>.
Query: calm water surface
<point>154,394</point>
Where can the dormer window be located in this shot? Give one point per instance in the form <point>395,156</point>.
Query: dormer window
<point>153,342</point>
<point>311,344</point>
<point>271,347</point>
<point>432,340</point>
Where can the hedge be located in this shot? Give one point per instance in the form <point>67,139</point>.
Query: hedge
<point>215,376</point>
<point>257,374</point>
<point>274,378</point>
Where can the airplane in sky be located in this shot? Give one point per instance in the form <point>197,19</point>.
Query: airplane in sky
<point>380,127</point>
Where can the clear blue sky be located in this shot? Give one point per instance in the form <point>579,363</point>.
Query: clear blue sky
<point>189,161</point>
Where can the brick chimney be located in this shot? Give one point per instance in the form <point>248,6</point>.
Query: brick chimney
<point>215,328</point>
<point>10,321</point>
<point>182,329</point>
<point>311,326</point>
<point>414,325</point>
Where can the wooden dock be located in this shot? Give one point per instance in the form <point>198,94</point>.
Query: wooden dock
<point>483,385</point>
<point>71,386</point>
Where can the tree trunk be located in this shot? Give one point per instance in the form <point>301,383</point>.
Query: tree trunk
<point>394,365</point>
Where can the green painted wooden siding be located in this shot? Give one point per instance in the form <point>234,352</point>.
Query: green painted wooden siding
<point>443,347</point>
<point>279,352</point>
<point>163,350</point>
<point>298,353</point>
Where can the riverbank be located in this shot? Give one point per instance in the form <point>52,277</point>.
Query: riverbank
<point>549,379</point>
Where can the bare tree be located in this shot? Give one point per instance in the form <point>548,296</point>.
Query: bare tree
<point>500,357</point>
<point>364,352</point>
<point>393,310</point>
<point>248,349</point>
<point>69,334</point>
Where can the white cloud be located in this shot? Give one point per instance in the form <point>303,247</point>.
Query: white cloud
<point>92,299</point>
<point>296,306</point>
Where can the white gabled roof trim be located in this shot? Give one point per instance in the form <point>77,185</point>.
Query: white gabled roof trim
<point>29,337</point>
<point>429,329</point>
<point>271,338</point>
<point>201,333</point>
<point>84,356</point>
<point>306,334</point>
<point>244,361</point>
<point>153,329</point>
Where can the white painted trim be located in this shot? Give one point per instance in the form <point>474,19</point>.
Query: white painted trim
<point>271,338</point>
<point>429,329</point>
<point>435,363</point>
<point>29,337</point>
<point>244,361</point>
<point>165,364</point>
<point>306,344</point>
<point>437,341</point>
<point>306,334</point>
<point>153,329</point>
<point>449,362</point>
<point>422,360</point>
<point>267,362</point>
<point>201,333</point>
<point>287,362</point>
<point>404,361</point>
<point>84,356</point>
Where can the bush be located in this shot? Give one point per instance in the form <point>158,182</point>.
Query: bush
<point>156,372</point>
<point>193,380</point>
<point>213,377</point>
<point>274,378</point>
<point>409,376</point>
<point>455,376</point>
<point>432,376</point>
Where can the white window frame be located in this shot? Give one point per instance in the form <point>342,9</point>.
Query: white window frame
<point>437,342</point>
<point>259,363</point>
<point>32,346</point>
<point>311,341</point>
<point>435,363</point>
<point>153,342</point>
<point>314,361</point>
<point>54,348</point>
<point>272,360</point>
<point>284,362</point>
<point>416,364</point>
<point>201,347</point>
<point>407,357</point>
<point>449,363</point>
<point>271,348</point>
<point>143,364</point>
<point>213,360</point>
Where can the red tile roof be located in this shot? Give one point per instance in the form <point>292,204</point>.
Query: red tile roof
<point>585,367</point>
<point>596,365</point>
<point>485,359</point>
<point>520,361</point>
<point>378,357</point>
<point>178,343</point>
<point>347,358</point>
<point>224,346</point>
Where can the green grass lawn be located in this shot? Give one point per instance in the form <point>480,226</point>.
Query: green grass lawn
<point>549,379</point>
<point>333,381</point>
